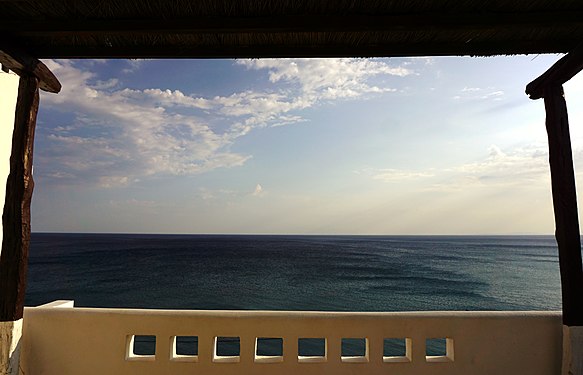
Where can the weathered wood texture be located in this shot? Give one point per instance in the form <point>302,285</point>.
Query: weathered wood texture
<point>271,49</point>
<point>290,28</point>
<point>21,63</point>
<point>304,23</point>
<point>16,216</point>
<point>565,204</point>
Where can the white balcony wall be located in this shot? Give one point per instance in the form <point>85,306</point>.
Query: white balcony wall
<point>69,340</point>
<point>8,95</point>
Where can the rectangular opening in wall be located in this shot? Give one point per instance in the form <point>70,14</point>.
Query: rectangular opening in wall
<point>268,349</point>
<point>141,347</point>
<point>354,350</point>
<point>144,345</point>
<point>184,348</point>
<point>312,349</point>
<point>439,349</point>
<point>397,350</point>
<point>227,349</point>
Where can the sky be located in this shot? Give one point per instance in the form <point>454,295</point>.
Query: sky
<point>445,145</point>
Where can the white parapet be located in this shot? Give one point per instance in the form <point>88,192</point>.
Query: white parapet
<point>10,346</point>
<point>101,341</point>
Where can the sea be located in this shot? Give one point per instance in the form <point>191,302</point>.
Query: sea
<point>291,272</point>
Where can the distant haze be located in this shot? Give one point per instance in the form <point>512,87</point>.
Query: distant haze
<point>297,146</point>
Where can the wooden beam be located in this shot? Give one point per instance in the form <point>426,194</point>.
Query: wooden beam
<point>564,204</point>
<point>16,215</point>
<point>70,27</point>
<point>562,71</point>
<point>21,63</point>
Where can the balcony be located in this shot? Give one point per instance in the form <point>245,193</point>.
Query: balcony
<point>61,339</point>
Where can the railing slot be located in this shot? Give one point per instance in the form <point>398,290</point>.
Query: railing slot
<point>439,349</point>
<point>312,350</point>
<point>140,347</point>
<point>184,348</point>
<point>354,350</point>
<point>397,350</point>
<point>227,349</point>
<point>268,349</point>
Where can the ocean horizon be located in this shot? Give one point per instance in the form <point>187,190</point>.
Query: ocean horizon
<point>296,272</point>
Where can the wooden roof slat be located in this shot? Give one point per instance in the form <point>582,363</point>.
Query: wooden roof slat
<point>290,28</point>
<point>299,50</point>
<point>291,23</point>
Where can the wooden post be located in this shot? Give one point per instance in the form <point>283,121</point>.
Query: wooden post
<point>549,86</point>
<point>565,205</point>
<point>567,227</point>
<point>34,75</point>
<point>16,215</point>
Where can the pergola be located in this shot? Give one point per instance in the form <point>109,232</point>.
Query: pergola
<point>35,29</point>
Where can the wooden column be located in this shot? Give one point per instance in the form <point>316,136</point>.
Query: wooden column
<point>16,215</point>
<point>564,204</point>
<point>34,75</point>
<point>550,87</point>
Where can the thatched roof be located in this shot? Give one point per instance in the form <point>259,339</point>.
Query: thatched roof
<point>280,28</point>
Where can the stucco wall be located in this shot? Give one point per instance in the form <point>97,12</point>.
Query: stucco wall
<point>95,341</point>
<point>8,95</point>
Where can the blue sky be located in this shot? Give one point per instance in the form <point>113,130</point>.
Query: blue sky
<point>321,146</point>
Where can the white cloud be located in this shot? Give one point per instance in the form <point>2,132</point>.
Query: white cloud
<point>258,191</point>
<point>104,85</point>
<point>287,120</point>
<point>124,132</point>
<point>395,175</point>
<point>206,194</point>
<point>119,133</point>
<point>133,66</point>
<point>495,95</point>
<point>95,61</point>
<point>113,181</point>
<point>327,78</point>
<point>479,93</point>
<point>174,98</point>
<point>521,166</point>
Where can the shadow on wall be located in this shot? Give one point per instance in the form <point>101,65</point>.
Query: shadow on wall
<point>10,345</point>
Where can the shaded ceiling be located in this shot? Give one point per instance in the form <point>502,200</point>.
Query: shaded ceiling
<point>288,28</point>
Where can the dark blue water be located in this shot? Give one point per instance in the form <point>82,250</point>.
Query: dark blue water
<point>343,273</point>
